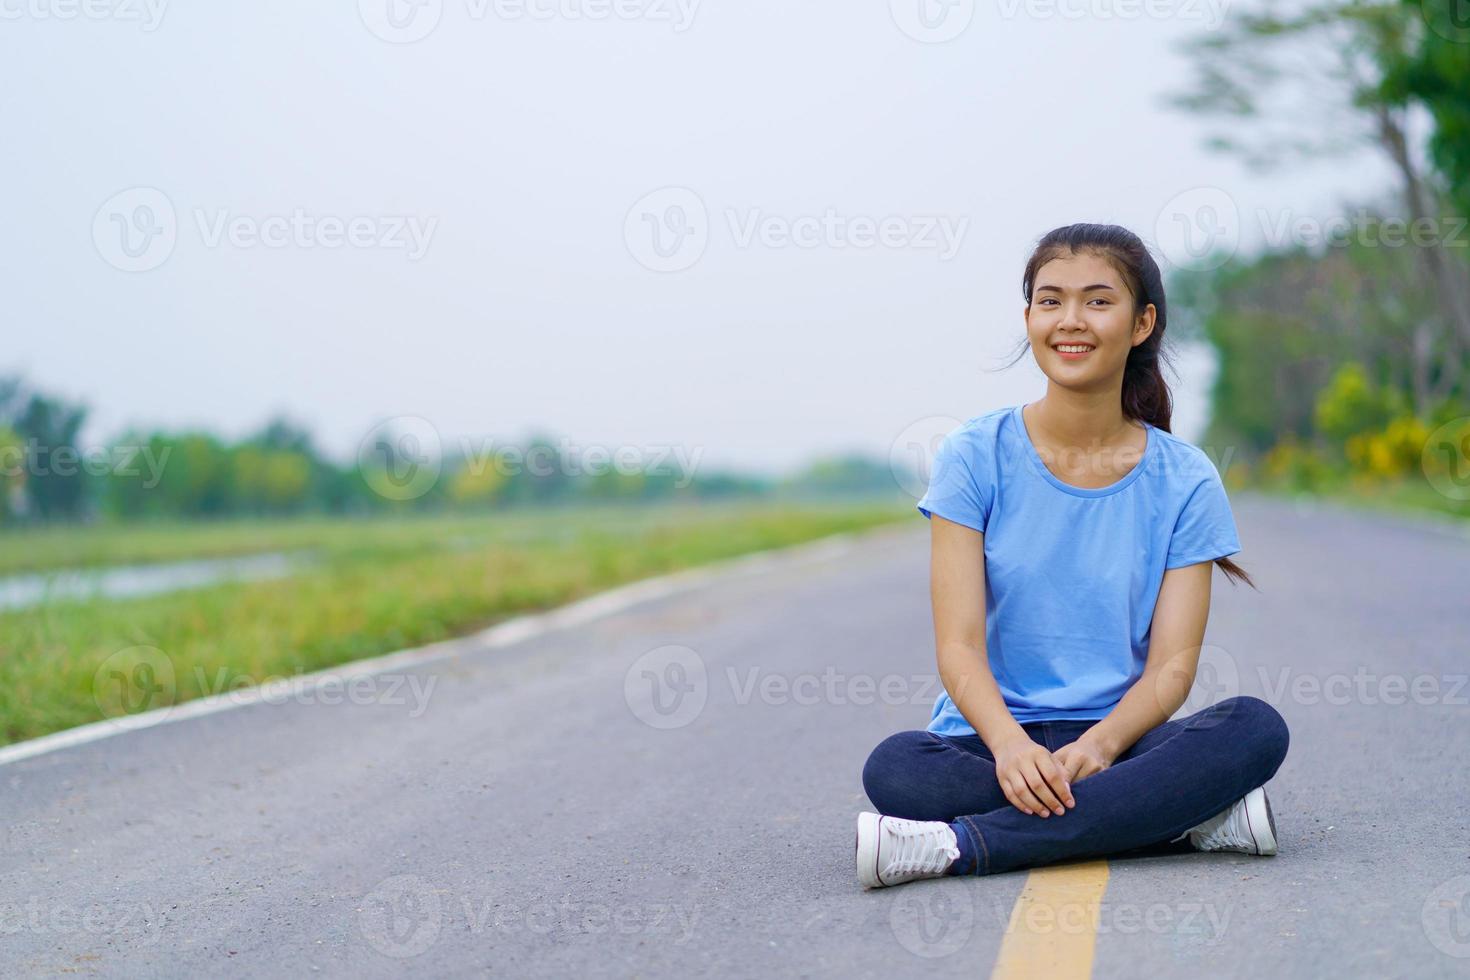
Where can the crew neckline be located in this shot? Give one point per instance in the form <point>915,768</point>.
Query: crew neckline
<point>1054,480</point>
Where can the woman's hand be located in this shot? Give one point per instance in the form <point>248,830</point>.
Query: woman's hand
<point>1031,778</point>
<point>1080,759</point>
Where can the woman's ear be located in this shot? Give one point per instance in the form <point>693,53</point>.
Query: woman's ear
<point>1143,326</point>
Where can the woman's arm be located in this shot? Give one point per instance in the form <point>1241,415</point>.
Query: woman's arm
<point>957,593</point>
<point>1026,771</point>
<point>1175,637</point>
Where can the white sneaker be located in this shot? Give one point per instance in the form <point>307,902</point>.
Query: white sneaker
<point>1247,827</point>
<point>892,850</point>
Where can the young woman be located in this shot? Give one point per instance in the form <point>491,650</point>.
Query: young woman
<point>1072,541</point>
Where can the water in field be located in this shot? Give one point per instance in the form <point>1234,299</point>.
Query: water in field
<point>131,581</point>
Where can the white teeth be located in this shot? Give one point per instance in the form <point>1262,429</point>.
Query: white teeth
<point>1073,348</point>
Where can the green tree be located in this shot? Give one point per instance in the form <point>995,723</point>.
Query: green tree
<point>56,483</point>
<point>1436,75</point>
<point>1331,77</point>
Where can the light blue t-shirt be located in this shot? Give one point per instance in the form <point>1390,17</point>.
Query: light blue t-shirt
<point>1072,575</point>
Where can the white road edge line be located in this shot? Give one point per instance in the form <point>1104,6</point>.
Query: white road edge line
<point>515,630</point>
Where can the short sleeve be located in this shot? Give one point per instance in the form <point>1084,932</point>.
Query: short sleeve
<point>954,493</point>
<point>1206,527</point>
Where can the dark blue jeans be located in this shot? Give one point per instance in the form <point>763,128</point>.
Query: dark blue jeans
<point>1176,776</point>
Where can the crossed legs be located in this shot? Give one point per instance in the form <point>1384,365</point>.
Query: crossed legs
<point>1173,778</point>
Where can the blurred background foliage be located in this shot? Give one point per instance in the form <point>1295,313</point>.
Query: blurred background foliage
<point>45,477</point>
<point>1339,358</point>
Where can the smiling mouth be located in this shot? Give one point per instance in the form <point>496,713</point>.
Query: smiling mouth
<point>1072,348</point>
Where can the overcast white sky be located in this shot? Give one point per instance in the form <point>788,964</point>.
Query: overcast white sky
<point>517,145</point>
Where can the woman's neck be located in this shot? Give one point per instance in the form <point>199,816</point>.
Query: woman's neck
<point>1071,418</point>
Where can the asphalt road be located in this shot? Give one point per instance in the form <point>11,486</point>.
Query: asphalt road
<point>670,790</point>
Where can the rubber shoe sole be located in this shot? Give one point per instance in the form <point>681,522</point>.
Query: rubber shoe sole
<point>865,849</point>
<point>1261,820</point>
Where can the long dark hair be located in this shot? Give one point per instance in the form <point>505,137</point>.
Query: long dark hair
<point>1146,395</point>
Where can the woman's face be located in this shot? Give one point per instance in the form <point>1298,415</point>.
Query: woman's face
<point>1079,301</point>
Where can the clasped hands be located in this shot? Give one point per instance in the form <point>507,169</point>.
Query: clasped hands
<point>1038,781</point>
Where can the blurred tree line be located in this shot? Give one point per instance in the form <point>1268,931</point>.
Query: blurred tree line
<point>45,475</point>
<point>1339,357</point>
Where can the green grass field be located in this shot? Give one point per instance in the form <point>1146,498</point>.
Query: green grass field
<point>376,586</point>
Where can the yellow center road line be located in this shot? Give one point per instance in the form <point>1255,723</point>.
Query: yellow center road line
<point>1053,927</point>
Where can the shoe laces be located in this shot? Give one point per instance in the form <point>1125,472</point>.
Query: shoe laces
<point>919,847</point>
<point>1225,831</point>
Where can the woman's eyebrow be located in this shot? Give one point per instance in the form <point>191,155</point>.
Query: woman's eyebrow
<point>1085,289</point>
